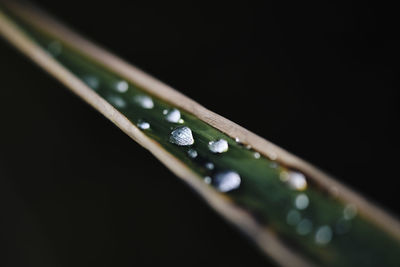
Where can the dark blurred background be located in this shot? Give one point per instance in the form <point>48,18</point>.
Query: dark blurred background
<point>320,80</point>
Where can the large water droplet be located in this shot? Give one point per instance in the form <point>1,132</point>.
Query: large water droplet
<point>144,101</point>
<point>182,136</point>
<point>192,153</point>
<point>218,146</point>
<point>227,181</point>
<point>301,202</point>
<point>121,86</point>
<point>323,235</point>
<point>173,115</point>
<point>143,125</point>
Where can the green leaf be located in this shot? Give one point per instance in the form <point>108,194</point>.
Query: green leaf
<point>293,212</point>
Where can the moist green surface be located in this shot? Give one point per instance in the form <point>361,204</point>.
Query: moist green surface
<point>325,230</point>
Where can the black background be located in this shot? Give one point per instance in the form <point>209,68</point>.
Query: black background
<point>320,80</point>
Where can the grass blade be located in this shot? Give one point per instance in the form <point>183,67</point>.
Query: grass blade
<point>294,213</point>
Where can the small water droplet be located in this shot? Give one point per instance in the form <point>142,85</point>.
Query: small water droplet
<point>144,101</point>
<point>323,235</point>
<point>143,125</point>
<point>304,227</point>
<point>117,101</point>
<point>91,81</point>
<point>207,180</point>
<point>301,202</point>
<point>218,146</point>
<point>55,48</point>
<point>350,211</point>
<point>297,181</point>
<point>237,140</point>
<point>248,146</point>
<point>293,217</point>
<point>173,115</point>
<point>121,86</point>
<point>209,165</point>
<point>227,181</point>
<point>192,153</point>
<point>256,155</point>
<point>165,111</point>
<point>182,136</point>
<point>273,165</point>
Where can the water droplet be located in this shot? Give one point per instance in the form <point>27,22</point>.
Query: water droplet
<point>297,181</point>
<point>248,146</point>
<point>91,81</point>
<point>227,181</point>
<point>55,48</point>
<point>273,165</point>
<point>192,153</point>
<point>218,146</point>
<point>301,202</point>
<point>304,227</point>
<point>293,217</point>
<point>350,211</point>
<point>237,140</point>
<point>256,155</point>
<point>207,180</point>
<point>173,116</point>
<point>182,136</point>
<point>144,101</point>
<point>117,101</point>
<point>121,86</point>
<point>209,165</point>
<point>323,235</point>
<point>143,125</point>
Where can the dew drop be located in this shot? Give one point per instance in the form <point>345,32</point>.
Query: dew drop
<point>144,101</point>
<point>297,181</point>
<point>256,155</point>
<point>182,136</point>
<point>301,202</point>
<point>207,180</point>
<point>304,227</point>
<point>121,86</point>
<point>117,101</point>
<point>143,125</point>
<point>227,181</point>
<point>323,235</point>
<point>218,146</point>
<point>173,116</point>
<point>350,211</point>
<point>192,153</point>
<point>237,140</point>
<point>209,165</point>
<point>91,81</point>
<point>293,217</point>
